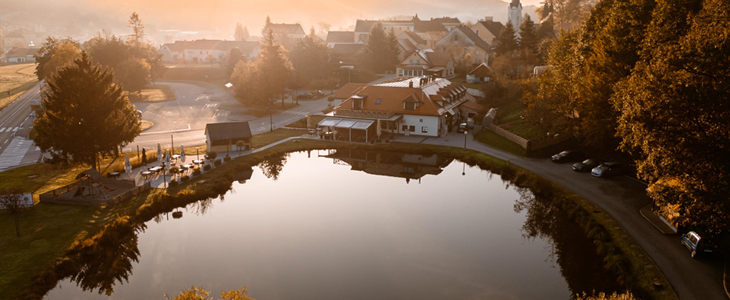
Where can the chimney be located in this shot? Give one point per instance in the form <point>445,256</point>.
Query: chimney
<point>410,83</point>
<point>488,18</point>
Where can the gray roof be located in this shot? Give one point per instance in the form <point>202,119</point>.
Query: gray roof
<point>228,131</point>
<point>494,27</point>
<point>473,37</point>
<point>341,37</point>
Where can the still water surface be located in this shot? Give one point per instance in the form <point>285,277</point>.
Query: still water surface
<point>376,226</point>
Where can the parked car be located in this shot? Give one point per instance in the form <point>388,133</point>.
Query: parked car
<point>586,165</point>
<point>318,93</point>
<point>607,169</point>
<point>568,156</point>
<point>697,245</point>
<point>462,127</point>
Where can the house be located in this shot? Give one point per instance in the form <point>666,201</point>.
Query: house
<point>346,53</point>
<point>222,137</point>
<point>340,37</point>
<point>479,74</point>
<point>464,44</point>
<point>421,63</point>
<point>363,27</point>
<point>286,35</point>
<point>14,39</point>
<point>20,55</point>
<point>448,22</point>
<point>487,29</point>
<point>346,91</point>
<point>422,106</point>
<point>199,51</point>
<point>413,38</point>
<point>431,31</point>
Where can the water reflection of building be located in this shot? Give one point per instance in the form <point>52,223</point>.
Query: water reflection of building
<point>408,166</point>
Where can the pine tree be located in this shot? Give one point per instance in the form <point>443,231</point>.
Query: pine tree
<point>506,41</point>
<point>528,39</point>
<point>310,58</point>
<point>86,114</point>
<point>241,33</point>
<point>137,27</point>
<point>380,53</point>
<point>267,24</point>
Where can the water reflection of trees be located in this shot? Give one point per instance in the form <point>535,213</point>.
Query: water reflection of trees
<point>273,165</point>
<point>574,252</point>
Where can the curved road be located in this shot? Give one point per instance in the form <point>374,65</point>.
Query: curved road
<point>621,197</point>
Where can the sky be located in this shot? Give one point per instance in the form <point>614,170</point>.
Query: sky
<point>218,17</point>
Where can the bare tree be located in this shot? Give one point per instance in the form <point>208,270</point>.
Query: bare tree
<point>137,27</point>
<point>12,201</point>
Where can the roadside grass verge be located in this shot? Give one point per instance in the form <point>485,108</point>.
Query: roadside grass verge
<point>146,125</point>
<point>153,93</point>
<point>490,138</point>
<point>302,123</point>
<point>15,79</point>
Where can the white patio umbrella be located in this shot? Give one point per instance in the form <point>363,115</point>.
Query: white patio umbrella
<point>167,159</point>
<point>159,152</point>
<point>378,130</point>
<point>127,164</point>
<point>182,154</point>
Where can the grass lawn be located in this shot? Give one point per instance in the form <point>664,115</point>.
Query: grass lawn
<point>462,79</point>
<point>302,123</point>
<point>17,79</point>
<point>153,93</point>
<point>490,138</point>
<point>146,125</point>
<point>264,139</point>
<point>508,117</point>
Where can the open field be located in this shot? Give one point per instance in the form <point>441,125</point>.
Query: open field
<point>15,79</point>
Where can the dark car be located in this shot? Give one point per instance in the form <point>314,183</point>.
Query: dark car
<point>462,128</point>
<point>586,165</point>
<point>697,245</point>
<point>568,156</point>
<point>607,169</point>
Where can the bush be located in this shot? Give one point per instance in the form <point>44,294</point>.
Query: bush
<point>217,162</point>
<point>212,155</point>
<point>227,158</point>
<point>173,183</point>
<point>185,178</point>
<point>206,168</point>
<point>331,98</point>
<point>196,171</point>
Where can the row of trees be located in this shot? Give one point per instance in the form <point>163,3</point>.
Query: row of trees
<point>134,63</point>
<point>651,79</point>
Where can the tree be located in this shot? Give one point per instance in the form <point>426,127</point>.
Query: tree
<point>64,55</point>
<point>199,293</point>
<point>273,166</point>
<point>245,79</point>
<point>12,201</point>
<point>310,59</point>
<point>506,41</point>
<point>378,54</point>
<point>234,56</point>
<point>265,80</point>
<point>137,28</point>
<point>133,74</point>
<point>114,53</point>
<point>107,50</point>
<point>86,114</point>
<point>45,54</point>
<point>266,28</point>
<point>528,40</point>
<point>674,112</point>
<point>241,33</point>
<point>603,296</point>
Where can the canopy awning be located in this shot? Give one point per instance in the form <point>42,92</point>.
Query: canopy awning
<point>345,124</point>
<point>328,122</point>
<point>362,125</point>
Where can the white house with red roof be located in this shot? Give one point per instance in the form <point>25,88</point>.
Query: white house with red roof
<point>422,106</point>
<point>199,51</point>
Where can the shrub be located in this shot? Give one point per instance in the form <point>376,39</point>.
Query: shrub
<point>212,155</point>
<point>173,183</point>
<point>206,168</point>
<point>331,98</point>
<point>227,158</point>
<point>185,178</point>
<point>217,162</point>
<point>196,171</point>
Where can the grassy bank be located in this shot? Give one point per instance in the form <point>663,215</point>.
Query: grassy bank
<point>622,255</point>
<point>497,141</point>
<point>15,79</point>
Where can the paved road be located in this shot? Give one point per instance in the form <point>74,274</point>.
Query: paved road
<point>621,197</point>
<point>15,124</point>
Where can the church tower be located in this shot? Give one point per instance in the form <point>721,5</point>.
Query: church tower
<point>514,14</point>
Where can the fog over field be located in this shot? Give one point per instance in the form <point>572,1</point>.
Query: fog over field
<point>217,17</point>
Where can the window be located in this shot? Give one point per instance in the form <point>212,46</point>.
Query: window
<point>456,38</point>
<point>477,32</point>
<point>404,128</point>
<point>421,120</point>
<point>377,101</point>
<point>418,61</point>
<point>411,61</point>
<point>409,106</point>
<point>424,129</point>
<point>412,128</point>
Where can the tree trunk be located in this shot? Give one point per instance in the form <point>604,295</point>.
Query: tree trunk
<point>17,225</point>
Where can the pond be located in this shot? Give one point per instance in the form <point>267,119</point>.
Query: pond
<point>359,225</point>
